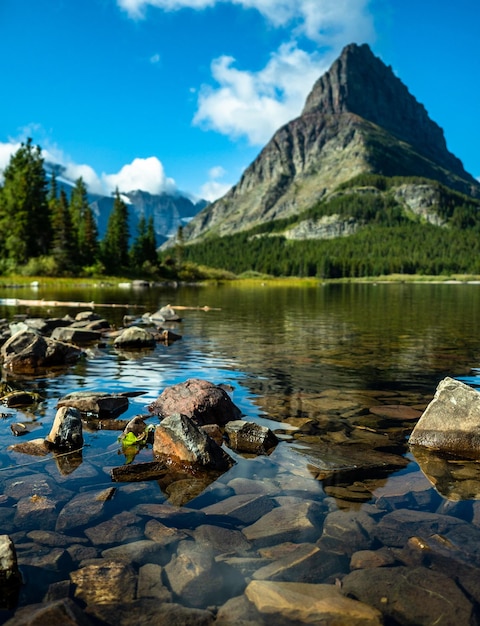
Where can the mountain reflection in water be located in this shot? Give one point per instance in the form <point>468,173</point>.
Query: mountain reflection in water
<point>339,372</point>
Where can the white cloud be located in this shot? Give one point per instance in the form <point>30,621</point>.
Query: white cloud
<point>320,20</point>
<point>145,174</point>
<point>213,188</point>
<point>256,104</point>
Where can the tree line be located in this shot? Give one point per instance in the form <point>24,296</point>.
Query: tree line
<point>43,231</point>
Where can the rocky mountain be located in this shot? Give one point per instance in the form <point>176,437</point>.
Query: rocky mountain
<point>169,211</point>
<point>359,118</point>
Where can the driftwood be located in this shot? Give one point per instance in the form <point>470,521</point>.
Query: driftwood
<point>92,304</point>
<point>151,470</point>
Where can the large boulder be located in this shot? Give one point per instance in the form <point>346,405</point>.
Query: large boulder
<point>200,400</point>
<point>26,352</point>
<point>451,422</point>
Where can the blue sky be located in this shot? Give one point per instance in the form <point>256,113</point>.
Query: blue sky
<point>171,95</point>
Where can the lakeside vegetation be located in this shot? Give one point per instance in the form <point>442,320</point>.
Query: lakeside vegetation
<point>45,233</point>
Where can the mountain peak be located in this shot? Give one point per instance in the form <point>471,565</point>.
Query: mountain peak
<point>358,82</point>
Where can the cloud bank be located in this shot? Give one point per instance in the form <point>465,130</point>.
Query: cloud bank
<point>146,174</point>
<point>242,103</point>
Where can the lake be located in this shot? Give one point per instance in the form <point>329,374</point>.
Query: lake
<point>340,372</point>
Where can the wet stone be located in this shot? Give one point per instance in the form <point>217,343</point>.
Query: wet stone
<point>82,510</point>
<point>138,552</point>
<point>149,612</point>
<point>222,540</point>
<point>242,486</point>
<point>135,337</point>
<point>65,612</point>
<point>118,529</point>
<point>306,563</point>
<point>77,336</point>
<point>150,583</point>
<point>363,559</point>
<point>305,603</point>
<point>37,512</point>
<point>348,531</point>
<point>164,535</point>
<point>297,523</point>
<point>53,539</point>
<point>411,596</point>
<point>42,558</point>
<point>66,432</point>
<point>200,400</point>
<point>239,611</point>
<point>105,583</point>
<point>395,528</point>
<point>170,515</point>
<point>197,580</point>
<point>246,508</point>
<point>412,491</point>
<point>249,437</point>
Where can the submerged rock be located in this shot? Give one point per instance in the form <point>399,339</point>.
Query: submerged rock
<point>200,400</point>
<point>104,404</point>
<point>304,603</point>
<point>451,422</point>
<point>10,578</point>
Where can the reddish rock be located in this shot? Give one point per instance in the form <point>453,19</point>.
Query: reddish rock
<point>200,400</point>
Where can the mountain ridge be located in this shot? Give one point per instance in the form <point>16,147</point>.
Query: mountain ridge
<point>358,118</point>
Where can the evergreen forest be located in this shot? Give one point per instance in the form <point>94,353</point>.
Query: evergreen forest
<point>43,231</point>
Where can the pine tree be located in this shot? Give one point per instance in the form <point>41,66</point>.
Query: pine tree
<point>84,226</point>
<point>144,248</point>
<point>63,248</point>
<point>25,227</point>
<point>114,246</point>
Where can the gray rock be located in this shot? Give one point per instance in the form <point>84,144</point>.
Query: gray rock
<point>150,583</point>
<point>37,512</point>
<point>117,529</point>
<point>302,603</point>
<point>239,611</point>
<point>149,612</point>
<point>9,572</point>
<point>66,432</point>
<point>411,595</point>
<point>451,422</point>
<point>27,352</point>
<point>135,337</point>
<point>65,612</point>
<point>304,563</point>
<point>201,400</point>
<point>246,436</point>
<point>138,552</point>
<point>348,531</point>
<point>179,439</point>
<point>395,528</point>
<point>246,508</point>
<point>285,523</point>
<point>77,336</point>
<point>103,404</point>
<point>222,540</point>
<point>82,510</point>
<point>197,580</point>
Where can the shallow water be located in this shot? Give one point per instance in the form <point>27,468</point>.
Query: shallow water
<point>308,362</point>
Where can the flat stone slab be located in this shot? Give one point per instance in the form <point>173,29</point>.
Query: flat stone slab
<point>305,603</point>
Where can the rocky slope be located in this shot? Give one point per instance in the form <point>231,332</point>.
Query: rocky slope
<point>359,117</point>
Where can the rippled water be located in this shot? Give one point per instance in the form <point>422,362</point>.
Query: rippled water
<point>308,362</point>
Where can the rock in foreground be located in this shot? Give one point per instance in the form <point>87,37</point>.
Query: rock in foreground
<point>451,422</point>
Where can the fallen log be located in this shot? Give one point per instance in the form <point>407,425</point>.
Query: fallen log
<point>54,303</point>
<point>136,472</point>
